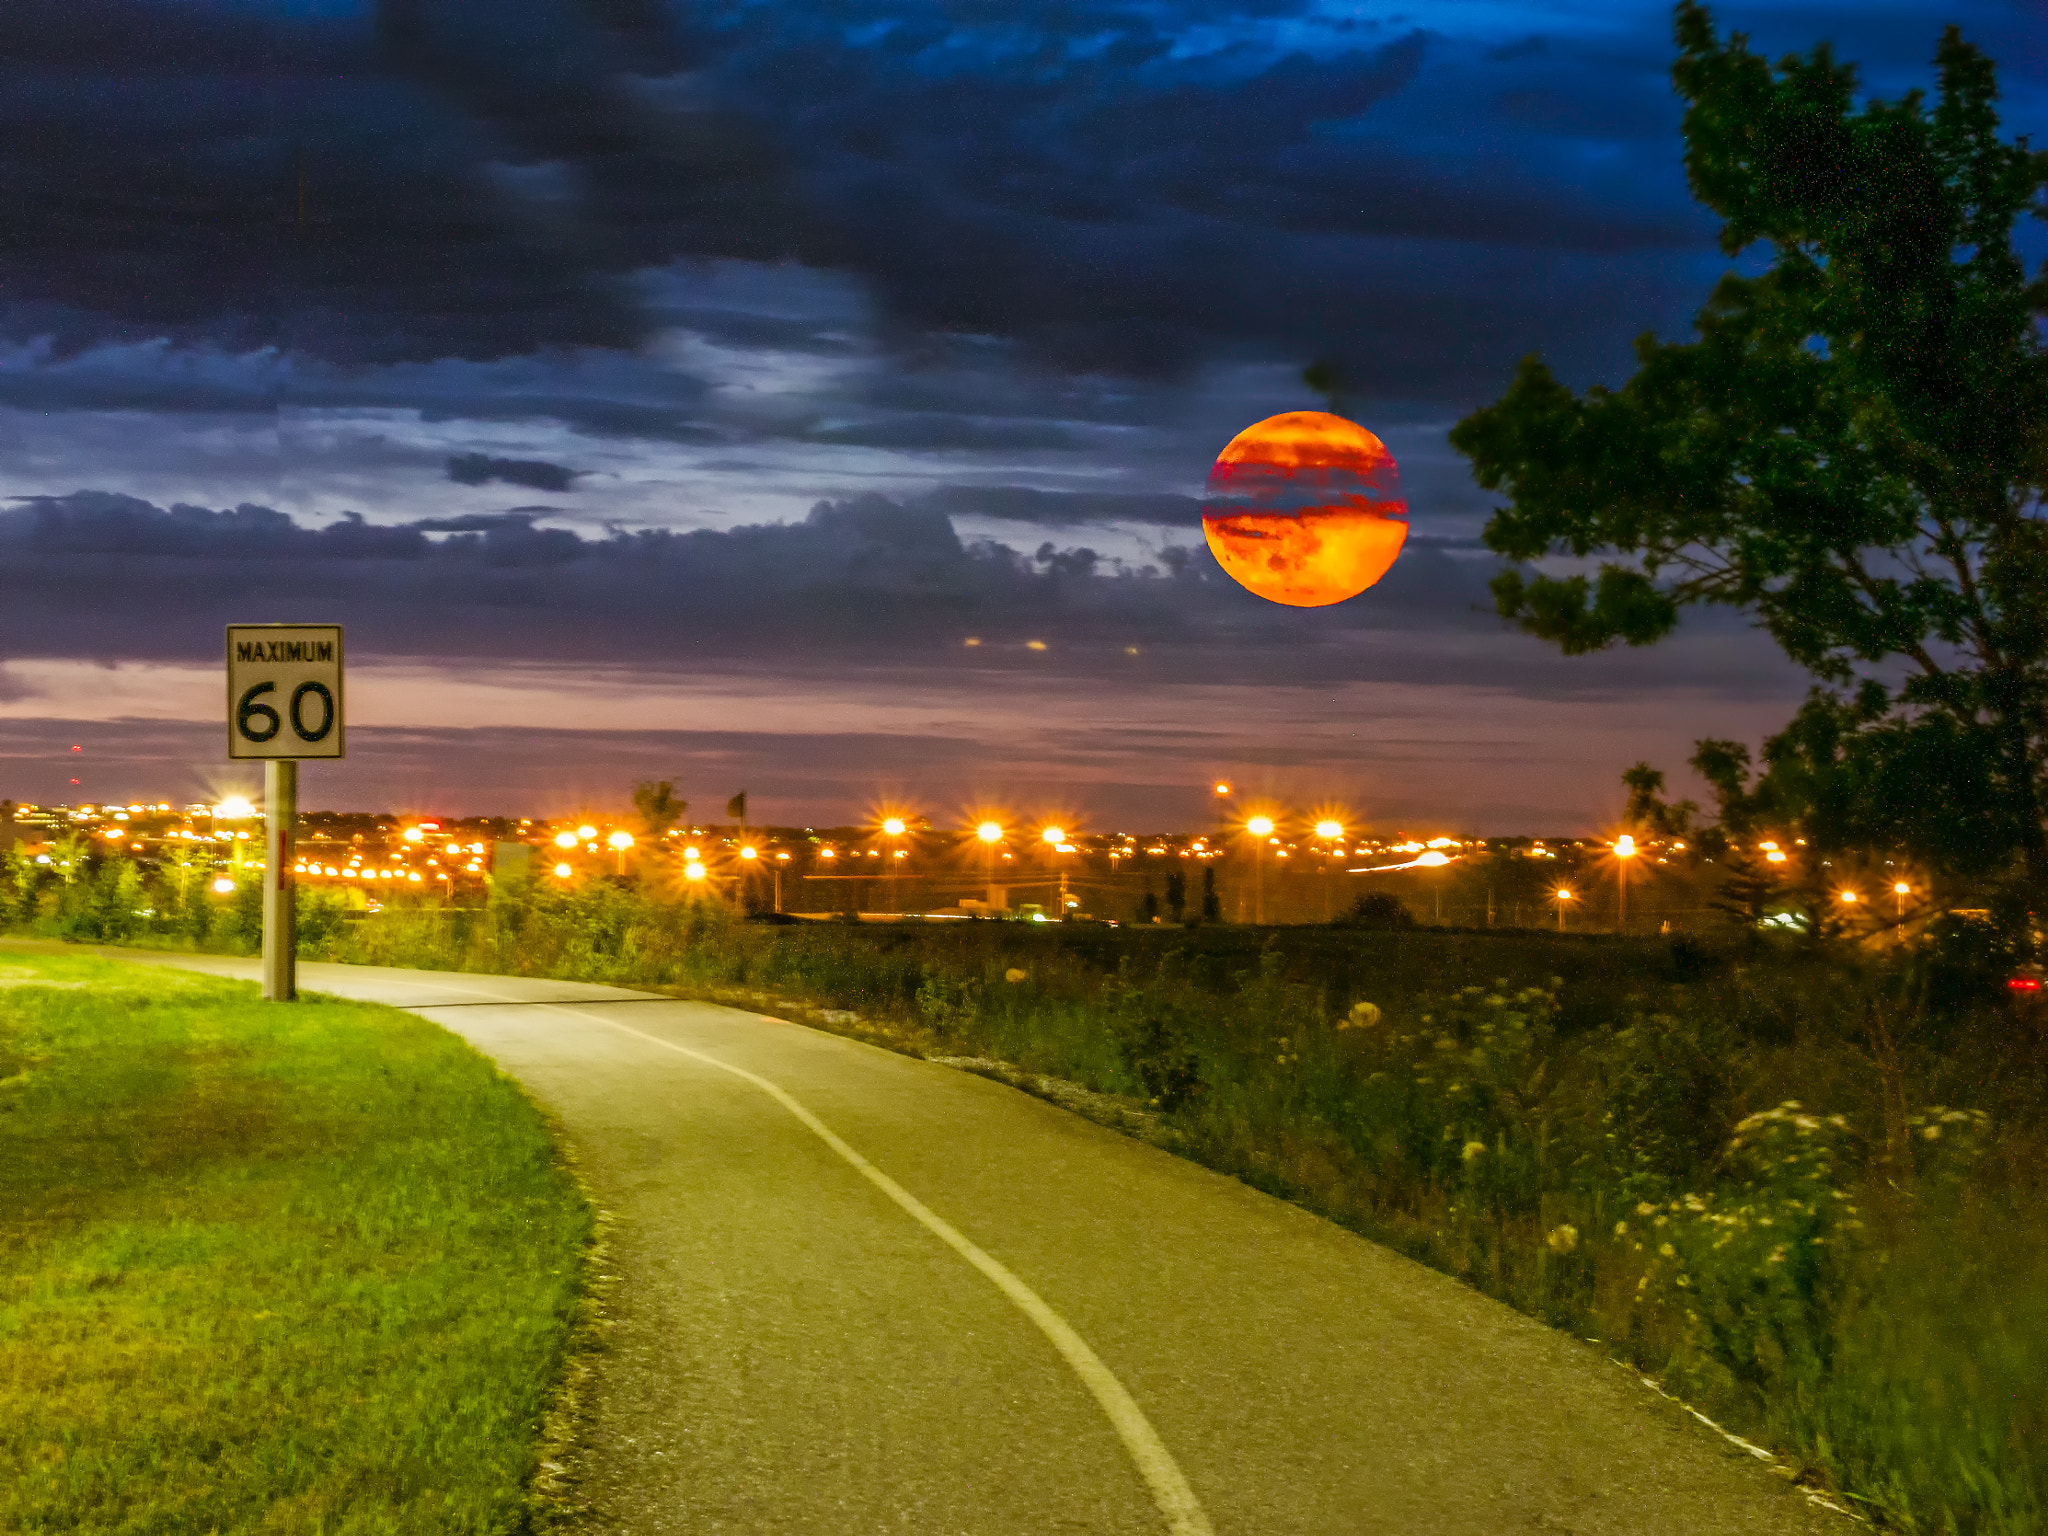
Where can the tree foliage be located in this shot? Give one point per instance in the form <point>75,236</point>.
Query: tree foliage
<point>1852,449</point>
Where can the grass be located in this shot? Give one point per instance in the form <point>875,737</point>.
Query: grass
<point>262,1269</point>
<point>1542,1116</point>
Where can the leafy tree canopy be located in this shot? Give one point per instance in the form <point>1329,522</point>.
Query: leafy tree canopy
<point>1853,449</point>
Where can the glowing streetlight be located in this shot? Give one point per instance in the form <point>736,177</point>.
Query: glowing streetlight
<point>224,886</point>
<point>693,871</point>
<point>1054,835</point>
<point>1330,831</point>
<point>748,853</point>
<point>586,833</point>
<point>1222,788</point>
<point>1849,898</point>
<point>620,841</point>
<point>1436,858</point>
<point>989,832</point>
<point>894,826</point>
<point>565,839</point>
<point>1261,828</point>
<point>1900,891</point>
<point>1563,896</point>
<point>415,835</point>
<point>234,808</point>
<point>1624,850</point>
<point>563,871</point>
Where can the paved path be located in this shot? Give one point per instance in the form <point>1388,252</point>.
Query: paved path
<point>858,1293</point>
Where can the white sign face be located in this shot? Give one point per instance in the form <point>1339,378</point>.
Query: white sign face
<point>284,690</point>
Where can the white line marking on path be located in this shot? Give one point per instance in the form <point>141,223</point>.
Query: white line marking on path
<point>1170,1490</point>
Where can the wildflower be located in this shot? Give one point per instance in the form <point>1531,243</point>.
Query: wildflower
<point>1667,1250</point>
<point>1932,1133</point>
<point>1013,975</point>
<point>1644,1208</point>
<point>1563,1239</point>
<point>1777,1255</point>
<point>1621,1229</point>
<point>1361,1016</point>
<point>1694,1203</point>
<point>1474,1149</point>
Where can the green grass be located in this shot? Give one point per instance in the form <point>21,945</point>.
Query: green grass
<point>267,1269</point>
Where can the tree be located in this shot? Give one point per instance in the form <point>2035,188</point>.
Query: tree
<point>1176,894</point>
<point>658,807</point>
<point>1648,811</point>
<point>1853,450</point>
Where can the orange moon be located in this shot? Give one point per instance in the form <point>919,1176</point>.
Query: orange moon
<point>1304,509</point>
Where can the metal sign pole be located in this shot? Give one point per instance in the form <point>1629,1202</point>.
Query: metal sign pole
<point>280,935</point>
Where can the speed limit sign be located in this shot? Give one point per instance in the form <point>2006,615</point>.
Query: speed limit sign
<point>284,690</point>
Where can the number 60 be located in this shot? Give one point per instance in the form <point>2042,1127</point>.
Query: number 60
<point>259,722</point>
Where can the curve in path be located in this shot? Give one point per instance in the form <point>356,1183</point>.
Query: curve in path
<point>790,1356</point>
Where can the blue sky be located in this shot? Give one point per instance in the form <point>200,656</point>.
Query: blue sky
<point>904,325</point>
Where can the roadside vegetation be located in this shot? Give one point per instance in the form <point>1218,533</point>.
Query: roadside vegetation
<point>284,1270</point>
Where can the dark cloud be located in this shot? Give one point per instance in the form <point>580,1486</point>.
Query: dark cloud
<point>1065,509</point>
<point>476,178</point>
<point>534,474</point>
<point>861,583</point>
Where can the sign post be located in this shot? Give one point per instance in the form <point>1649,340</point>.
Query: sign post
<point>284,703</point>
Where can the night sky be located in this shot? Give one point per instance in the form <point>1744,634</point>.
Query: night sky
<point>675,390</point>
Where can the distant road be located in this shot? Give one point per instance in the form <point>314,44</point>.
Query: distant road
<point>857,1293</point>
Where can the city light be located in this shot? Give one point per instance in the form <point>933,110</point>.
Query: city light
<point>1624,847</point>
<point>562,840</point>
<point>1260,826</point>
<point>1849,896</point>
<point>1329,829</point>
<point>748,853</point>
<point>620,841</point>
<point>225,886</point>
<point>894,826</point>
<point>586,833</point>
<point>563,871</point>
<point>1774,857</point>
<point>1222,789</point>
<point>1434,859</point>
<point>989,832</point>
<point>1054,835</point>
<point>693,871</point>
<point>414,835</point>
<point>234,808</point>
<point>1564,895</point>
<point>1902,889</point>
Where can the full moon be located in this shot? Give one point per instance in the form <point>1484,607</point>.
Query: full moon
<point>1304,509</point>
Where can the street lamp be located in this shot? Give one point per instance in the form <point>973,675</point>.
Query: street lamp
<point>1624,850</point>
<point>1055,839</point>
<point>893,827</point>
<point>1563,896</point>
<point>1900,891</point>
<point>565,839</point>
<point>620,842</point>
<point>1261,828</point>
<point>990,833</point>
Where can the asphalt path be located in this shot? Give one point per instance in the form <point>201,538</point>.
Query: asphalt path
<point>859,1293</point>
